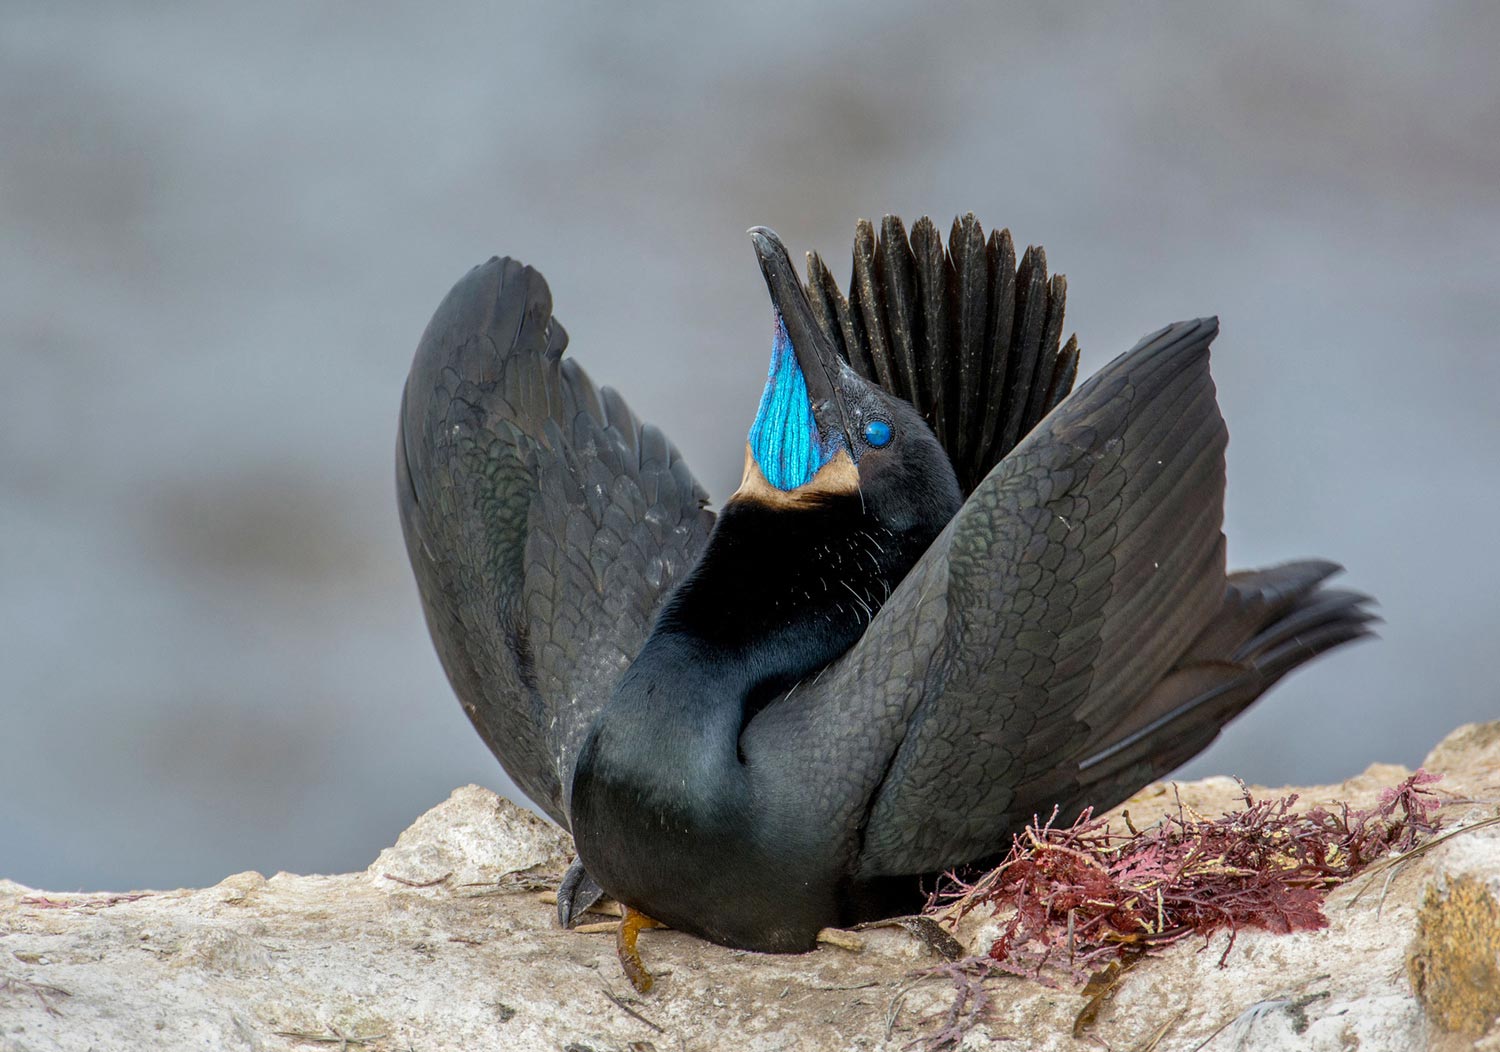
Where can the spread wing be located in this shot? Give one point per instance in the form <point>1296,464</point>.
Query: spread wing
<point>962,332</point>
<point>544,522</point>
<point>1031,634</point>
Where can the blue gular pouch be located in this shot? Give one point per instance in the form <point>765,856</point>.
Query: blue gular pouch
<point>784,438</point>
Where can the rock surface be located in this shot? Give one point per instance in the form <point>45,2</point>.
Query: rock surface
<point>444,943</point>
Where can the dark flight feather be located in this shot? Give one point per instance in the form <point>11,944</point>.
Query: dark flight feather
<point>545,523</point>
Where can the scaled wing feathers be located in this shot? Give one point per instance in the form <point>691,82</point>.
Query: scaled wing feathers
<point>545,523</point>
<point>996,664</point>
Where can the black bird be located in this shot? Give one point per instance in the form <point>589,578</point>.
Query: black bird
<point>948,594</point>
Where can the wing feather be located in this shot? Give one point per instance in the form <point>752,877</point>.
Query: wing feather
<point>984,676</point>
<point>545,523</point>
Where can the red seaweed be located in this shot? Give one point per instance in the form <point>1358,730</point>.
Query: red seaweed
<point>1083,895</point>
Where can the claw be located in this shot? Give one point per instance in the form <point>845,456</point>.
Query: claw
<point>631,926</point>
<point>576,894</point>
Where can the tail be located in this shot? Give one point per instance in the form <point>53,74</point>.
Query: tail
<point>1271,622</point>
<point>964,333</point>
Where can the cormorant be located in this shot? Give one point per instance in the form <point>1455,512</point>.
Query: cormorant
<point>949,594</point>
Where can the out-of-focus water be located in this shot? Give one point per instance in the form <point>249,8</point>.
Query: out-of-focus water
<point>222,230</point>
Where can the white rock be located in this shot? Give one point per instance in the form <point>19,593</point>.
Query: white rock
<point>472,838</point>
<point>473,960</point>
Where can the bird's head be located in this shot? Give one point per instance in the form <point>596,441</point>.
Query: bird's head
<point>823,432</point>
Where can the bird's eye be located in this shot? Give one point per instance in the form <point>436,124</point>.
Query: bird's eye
<point>877,433</point>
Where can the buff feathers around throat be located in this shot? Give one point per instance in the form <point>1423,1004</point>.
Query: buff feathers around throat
<point>784,438</point>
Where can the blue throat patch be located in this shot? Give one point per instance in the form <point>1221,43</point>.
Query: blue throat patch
<point>784,438</point>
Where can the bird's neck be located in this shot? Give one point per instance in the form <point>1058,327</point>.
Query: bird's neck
<point>777,595</point>
<point>786,591</point>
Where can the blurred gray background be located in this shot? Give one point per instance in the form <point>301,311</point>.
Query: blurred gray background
<point>223,229</point>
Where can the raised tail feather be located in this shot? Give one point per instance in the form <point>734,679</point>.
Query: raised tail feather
<point>1271,622</point>
<point>965,333</point>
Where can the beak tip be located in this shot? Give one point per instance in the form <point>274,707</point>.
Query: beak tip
<point>767,244</point>
<point>815,355</point>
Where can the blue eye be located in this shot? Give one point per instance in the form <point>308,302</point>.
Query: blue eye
<point>877,433</point>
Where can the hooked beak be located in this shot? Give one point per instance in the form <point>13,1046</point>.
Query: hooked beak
<point>822,368</point>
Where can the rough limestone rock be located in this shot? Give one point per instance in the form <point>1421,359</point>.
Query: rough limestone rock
<point>445,943</point>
